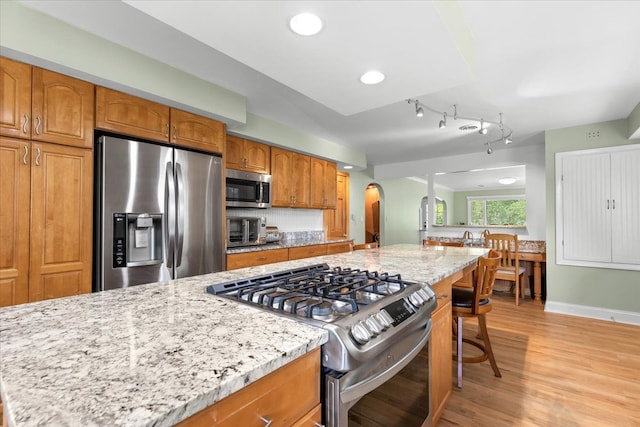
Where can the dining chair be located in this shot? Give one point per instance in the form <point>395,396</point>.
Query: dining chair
<point>467,235</point>
<point>476,302</point>
<point>427,242</point>
<point>509,269</point>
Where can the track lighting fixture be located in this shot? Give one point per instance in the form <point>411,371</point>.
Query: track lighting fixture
<point>483,130</point>
<point>443,122</point>
<point>419,110</point>
<point>506,134</point>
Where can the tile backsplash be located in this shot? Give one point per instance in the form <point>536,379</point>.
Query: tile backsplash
<point>286,219</point>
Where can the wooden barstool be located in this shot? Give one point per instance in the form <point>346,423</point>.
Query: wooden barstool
<point>476,302</point>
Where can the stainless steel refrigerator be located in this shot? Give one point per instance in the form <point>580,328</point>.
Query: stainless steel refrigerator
<point>159,213</point>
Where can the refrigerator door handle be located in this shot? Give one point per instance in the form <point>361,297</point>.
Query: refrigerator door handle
<point>169,208</point>
<point>181,212</point>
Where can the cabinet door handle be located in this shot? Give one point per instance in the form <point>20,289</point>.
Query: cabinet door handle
<point>26,153</point>
<point>175,132</point>
<point>38,152</point>
<point>614,204</point>
<point>166,130</point>
<point>38,123</point>
<point>25,126</point>
<point>443,296</point>
<point>607,204</point>
<point>267,422</point>
<point>318,424</point>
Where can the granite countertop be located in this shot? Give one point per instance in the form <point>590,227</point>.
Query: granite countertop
<point>155,354</point>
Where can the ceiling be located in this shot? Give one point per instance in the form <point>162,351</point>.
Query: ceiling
<point>543,64</point>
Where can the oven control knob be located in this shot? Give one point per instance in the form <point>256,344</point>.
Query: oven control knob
<point>426,295</point>
<point>384,318</point>
<point>374,326</point>
<point>360,333</point>
<point>416,299</point>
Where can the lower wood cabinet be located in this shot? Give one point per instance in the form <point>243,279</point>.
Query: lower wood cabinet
<point>340,247</point>
<point>440,350</point>
<point>307,251</point>
<point>289,396</point>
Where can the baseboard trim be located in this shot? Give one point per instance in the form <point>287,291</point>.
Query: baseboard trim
<point>611,315</point>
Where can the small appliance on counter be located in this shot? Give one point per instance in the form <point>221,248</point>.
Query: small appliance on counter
<point>246,231</point>
<point>273,235</point>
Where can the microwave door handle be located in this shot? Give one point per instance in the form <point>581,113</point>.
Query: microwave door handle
<point>260,192</point>
<point>169,209</point>
<point>180,212</point>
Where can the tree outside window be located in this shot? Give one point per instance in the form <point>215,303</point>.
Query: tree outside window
<point>497,210</point>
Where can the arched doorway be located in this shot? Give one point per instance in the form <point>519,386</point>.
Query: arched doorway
<point>372,213</point>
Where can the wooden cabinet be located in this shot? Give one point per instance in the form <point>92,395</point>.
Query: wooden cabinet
<point>307,251</point>
<point>250,259</point>
<point>247,155</point>
<point>129,115</point>
<point>290,396</point>
<point>323,184</point>
<point>290,178</point>
<point>50,256</point>
<point>440,350</point>
<point>45,106</point>
<point>336,221</point>
<point>339,247</point>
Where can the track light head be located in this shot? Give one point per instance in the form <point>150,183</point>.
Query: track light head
<point>508,140</point>
<point>419,110</point>
<point>483,130</point>
<point>489,150</point>
<point>443,122</point>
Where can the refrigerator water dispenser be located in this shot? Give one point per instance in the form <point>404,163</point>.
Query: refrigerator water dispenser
<point>137,239</point>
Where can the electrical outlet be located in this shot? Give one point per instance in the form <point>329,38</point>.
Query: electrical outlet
<point>594,134</point>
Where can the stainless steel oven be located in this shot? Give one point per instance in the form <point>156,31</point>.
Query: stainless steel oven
<point>379,326</point>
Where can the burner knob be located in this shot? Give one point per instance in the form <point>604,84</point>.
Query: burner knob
<point>374,326</point>
<point>427,293</point>
<point>416,299</point>
<point>385,318</point>
<point>360,333</point>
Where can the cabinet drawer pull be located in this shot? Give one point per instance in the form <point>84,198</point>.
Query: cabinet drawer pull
<point>318,424</point>
<point>262,258</point>
<point>267,422</point>
<point>38,123</point>
<point>26,153</point>
<point>443,296</point>
<point>25,126</point>
<point>38,152</point>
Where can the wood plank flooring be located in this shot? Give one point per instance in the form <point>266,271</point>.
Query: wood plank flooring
<point>557,371</point>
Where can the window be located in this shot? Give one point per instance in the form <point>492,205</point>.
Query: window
<point>441,212</point>
<point>497,210</point>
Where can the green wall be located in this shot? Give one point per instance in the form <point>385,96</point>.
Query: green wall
<point>585,286</point>
<point>460,201</point>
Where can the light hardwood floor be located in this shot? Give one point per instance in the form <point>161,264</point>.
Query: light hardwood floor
<point>557,370</point>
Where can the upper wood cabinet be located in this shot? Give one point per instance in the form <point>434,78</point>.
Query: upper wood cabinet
<point>247,155</point>
<point>191,130</point>
<point>290,178</point>
<point>45,221</point>
<point>45,106</point>
<point>336,221</point>
<point>323,184</point>
<point>129,115</point>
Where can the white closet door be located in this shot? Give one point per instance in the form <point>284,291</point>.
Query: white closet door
<point>625,206</point>
<point>585,217</point>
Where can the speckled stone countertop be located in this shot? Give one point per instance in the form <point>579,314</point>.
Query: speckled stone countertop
<point>153,355</point>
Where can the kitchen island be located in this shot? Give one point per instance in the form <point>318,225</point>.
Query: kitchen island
<point>156,354</point>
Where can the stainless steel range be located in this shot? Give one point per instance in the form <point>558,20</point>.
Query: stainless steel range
<point>377,323</point>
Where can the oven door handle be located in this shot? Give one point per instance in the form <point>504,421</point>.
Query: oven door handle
<point>356,391</point>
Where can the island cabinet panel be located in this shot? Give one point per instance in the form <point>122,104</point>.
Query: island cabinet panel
<point>323,184</point>
<point>61,221</point>
<point>15,188</point>
<point>290,178</point>
<point>340,247</point>
<point>15,99</point>
<point>250,259</point>
<point>191,130</point>
<point>307,251</point>
<point>45,106</point>
<point>285,397</point>
<point>129,115</point>
<point>247,155</point>
<point>440,350</point>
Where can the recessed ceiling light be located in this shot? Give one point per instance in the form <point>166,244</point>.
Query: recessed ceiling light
<point>507,181</point>
<point>305,24</point>
<point>372,77</point>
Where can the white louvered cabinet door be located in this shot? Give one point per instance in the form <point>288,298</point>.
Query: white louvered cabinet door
<point>625,206</point>
<point>586,218</point>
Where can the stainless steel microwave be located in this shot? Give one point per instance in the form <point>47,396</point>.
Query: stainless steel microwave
<point>248,189</point>
<point>246,231</point>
